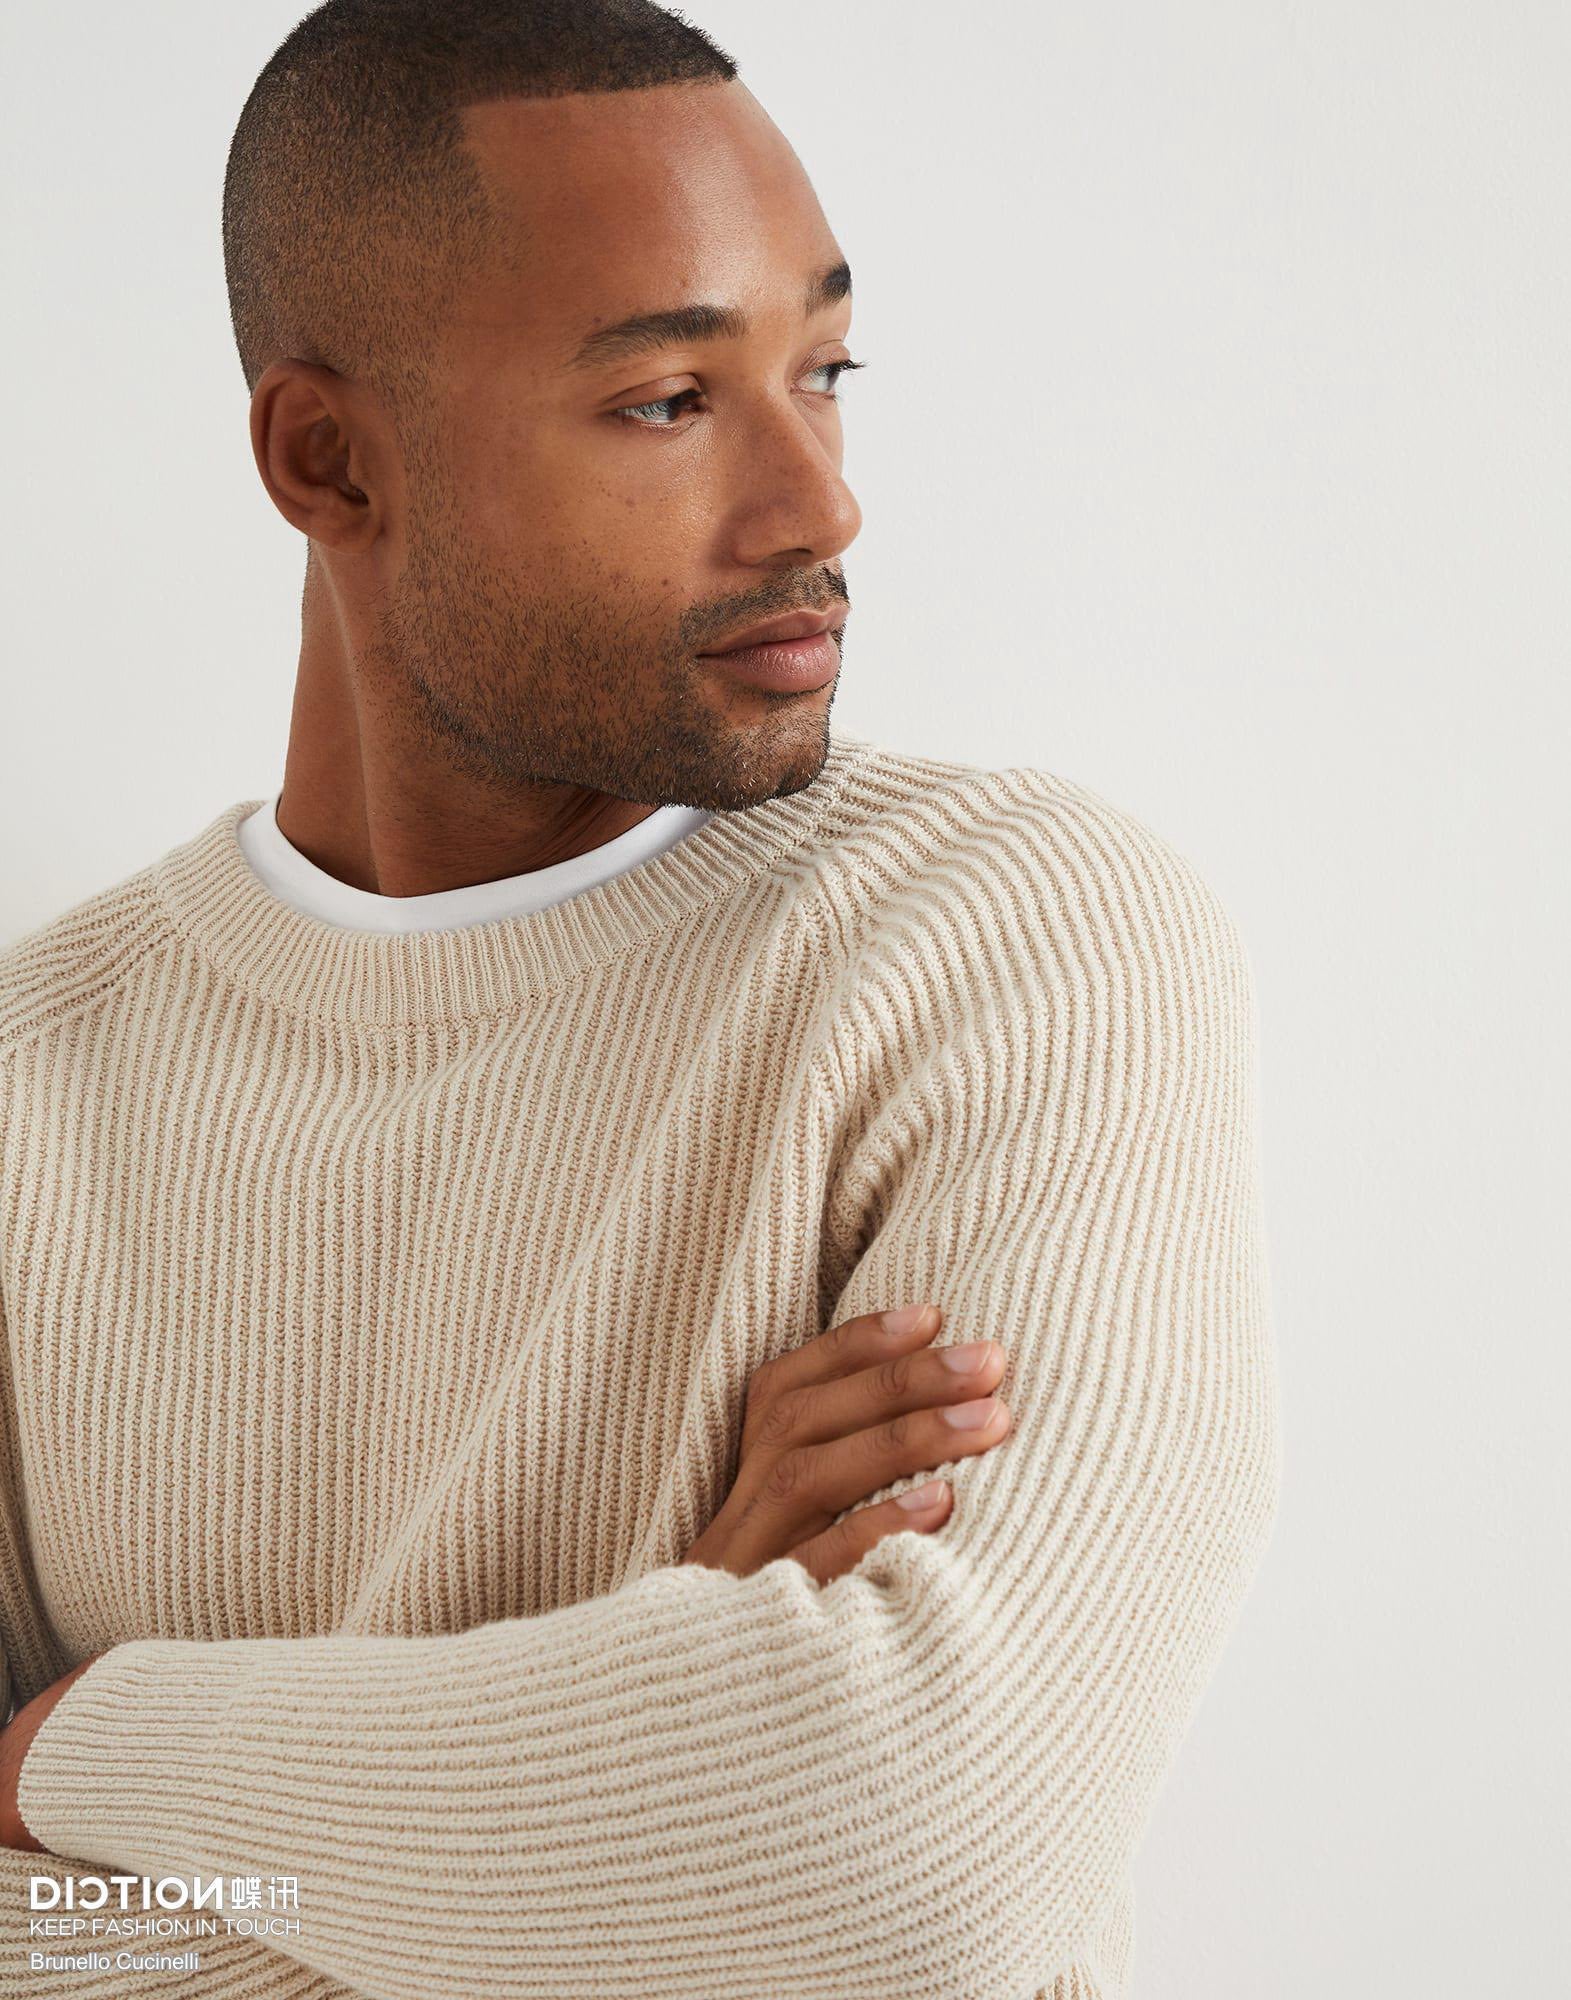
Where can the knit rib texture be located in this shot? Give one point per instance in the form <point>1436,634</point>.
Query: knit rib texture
<point>379,1313</point>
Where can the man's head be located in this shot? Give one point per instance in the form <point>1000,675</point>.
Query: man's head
<point>524,538</point>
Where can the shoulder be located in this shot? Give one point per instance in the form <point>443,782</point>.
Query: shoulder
<point>66,966</point>
<point>998,878</point>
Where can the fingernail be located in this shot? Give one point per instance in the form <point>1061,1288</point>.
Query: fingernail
<point>921,1497</point>
<point>968,1359</point>
<point>972,1416</point>
<point>908,1319</point>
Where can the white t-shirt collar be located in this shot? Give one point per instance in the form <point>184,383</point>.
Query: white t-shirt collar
<point>314,893</point>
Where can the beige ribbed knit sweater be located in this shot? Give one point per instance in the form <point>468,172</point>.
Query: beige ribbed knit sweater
<point>379,1312</point>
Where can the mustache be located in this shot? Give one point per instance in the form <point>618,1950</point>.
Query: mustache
<point>739,612</point>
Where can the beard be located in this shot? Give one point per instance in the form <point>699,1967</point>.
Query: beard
<point>573,683</point>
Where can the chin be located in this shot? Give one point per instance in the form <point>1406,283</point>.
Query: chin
<point>771,755</point>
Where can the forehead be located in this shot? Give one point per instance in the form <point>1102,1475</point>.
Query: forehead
<point>618,202</point>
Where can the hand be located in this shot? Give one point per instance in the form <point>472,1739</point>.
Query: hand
<point>15,1741</point>
<point>833,1420</point>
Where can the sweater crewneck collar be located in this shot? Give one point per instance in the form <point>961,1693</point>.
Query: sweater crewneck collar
<point>213,897</point>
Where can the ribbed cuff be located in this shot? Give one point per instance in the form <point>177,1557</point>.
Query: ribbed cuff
<point>117,1765</point>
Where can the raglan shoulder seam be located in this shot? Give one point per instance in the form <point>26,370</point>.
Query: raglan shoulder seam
<point>1018,854</point>
<point>32,1008</point>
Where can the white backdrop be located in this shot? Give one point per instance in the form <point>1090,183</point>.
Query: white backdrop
<point>1214,453</point>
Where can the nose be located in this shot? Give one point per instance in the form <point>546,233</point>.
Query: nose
<point>793,506</point>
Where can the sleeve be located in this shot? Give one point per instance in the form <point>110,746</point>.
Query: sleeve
<point>232,1967</point>
<point>925,1780</point>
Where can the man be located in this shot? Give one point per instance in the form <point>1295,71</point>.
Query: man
<point>449,1209</point>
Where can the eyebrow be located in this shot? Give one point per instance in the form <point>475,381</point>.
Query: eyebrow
<point>686,326</point>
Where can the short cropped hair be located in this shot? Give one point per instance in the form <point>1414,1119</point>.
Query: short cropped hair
<point>352,210</point>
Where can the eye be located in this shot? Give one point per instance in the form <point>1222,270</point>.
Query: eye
<point>835,369</point>
<point>640,413</point>
<point>648,415</point>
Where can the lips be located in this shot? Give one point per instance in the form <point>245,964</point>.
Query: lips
<point>784,625</point>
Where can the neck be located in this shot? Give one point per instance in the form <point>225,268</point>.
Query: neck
<point>397,818</point>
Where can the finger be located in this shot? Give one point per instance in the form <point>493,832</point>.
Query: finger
<point>841,1547</point>
<point>803,1490</point>
<point>856,1343</point>
<point>937,1376</point>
